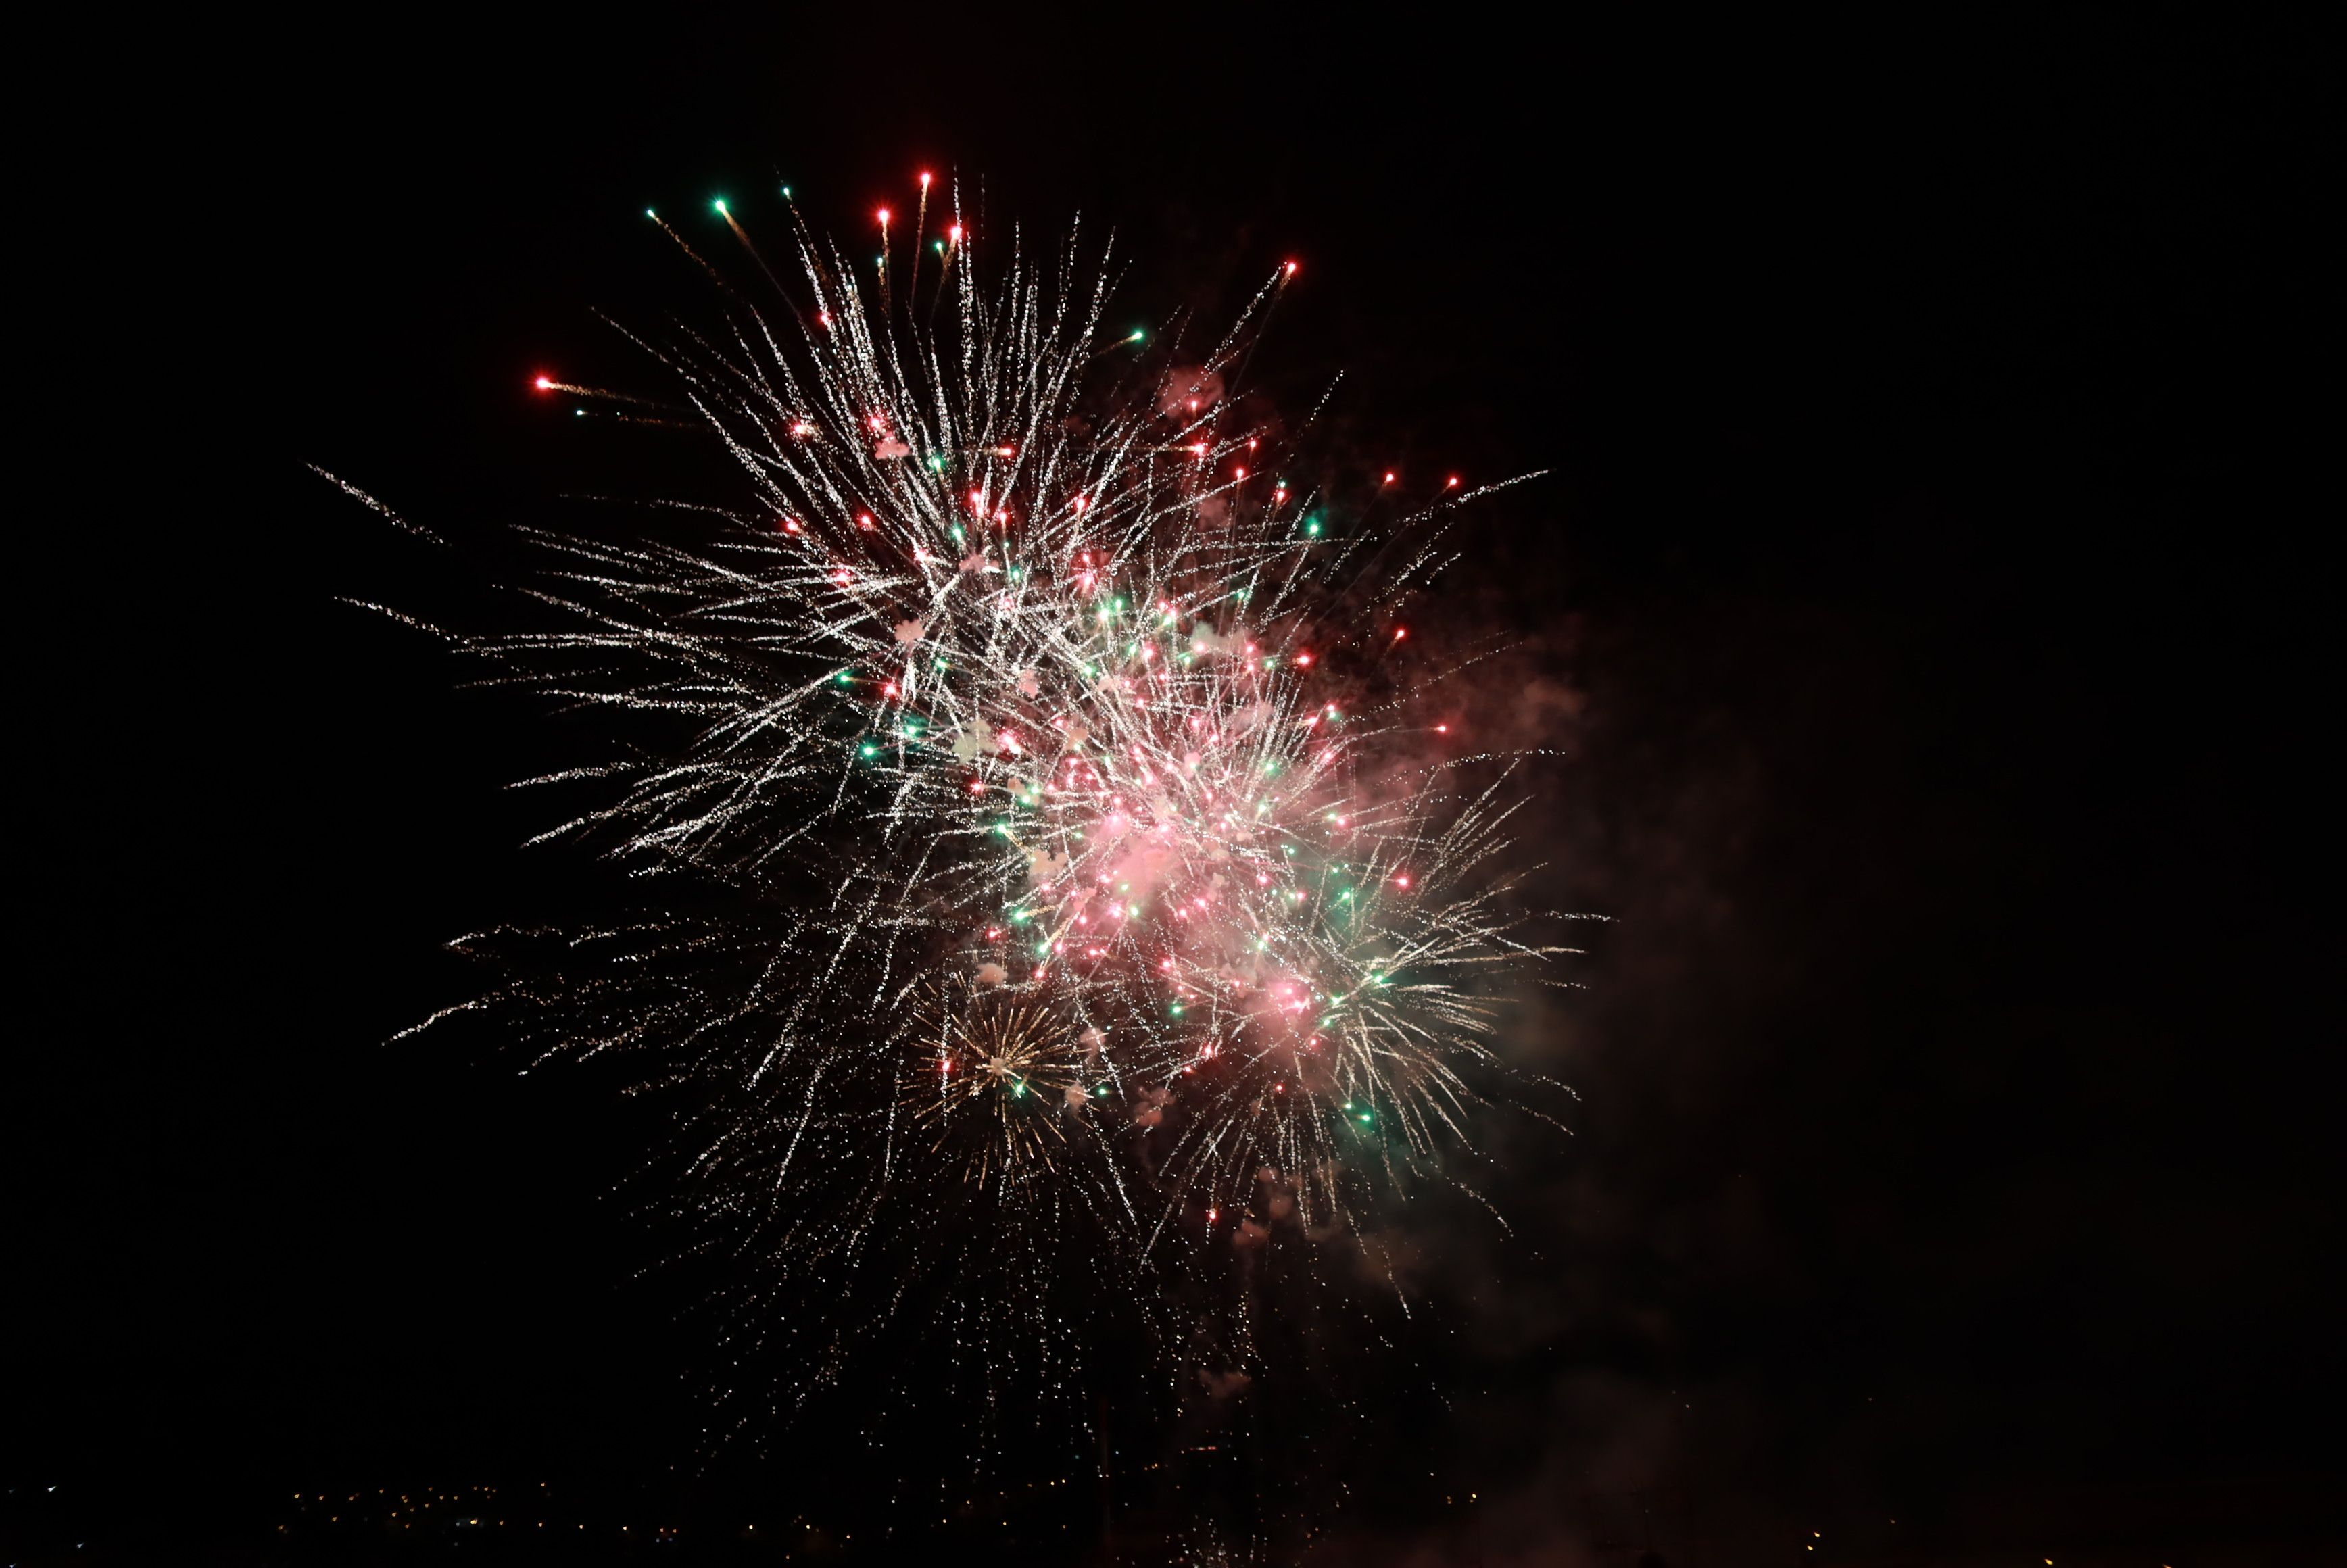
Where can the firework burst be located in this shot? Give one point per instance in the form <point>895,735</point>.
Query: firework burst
<point>1092,868</point>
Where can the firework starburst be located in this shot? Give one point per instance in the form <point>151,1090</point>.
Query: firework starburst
<point>1088,855</point>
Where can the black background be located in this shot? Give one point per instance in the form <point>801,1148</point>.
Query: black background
<point>1920,588</point>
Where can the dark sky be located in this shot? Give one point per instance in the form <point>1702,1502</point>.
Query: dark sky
<point>1919,589</point>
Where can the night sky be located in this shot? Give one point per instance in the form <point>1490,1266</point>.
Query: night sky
<point>1919,591</point>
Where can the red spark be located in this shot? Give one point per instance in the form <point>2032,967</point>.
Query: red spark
<point>544,383</point>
